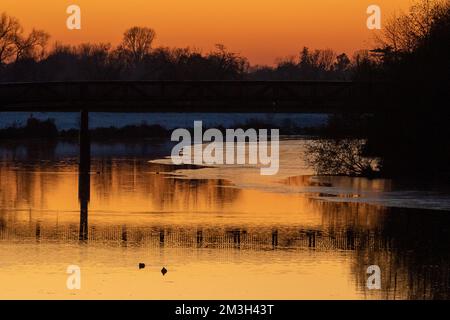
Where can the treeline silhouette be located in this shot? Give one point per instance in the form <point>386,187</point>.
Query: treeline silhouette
<point>414,53</point>
<point>46,129</point>
<point>29,57</point>
<point>411,136</point>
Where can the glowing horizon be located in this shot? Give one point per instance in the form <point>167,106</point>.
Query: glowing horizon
<point>262,31</point>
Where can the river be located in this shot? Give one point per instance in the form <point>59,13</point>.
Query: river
<point>222,232</point>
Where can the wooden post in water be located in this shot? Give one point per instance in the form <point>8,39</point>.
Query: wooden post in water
<point>237,238</point>
<point>311,239</point>
<point>124,235</point>
<point>84,167</point>
<point>161,237</point>
<point>38,231</point>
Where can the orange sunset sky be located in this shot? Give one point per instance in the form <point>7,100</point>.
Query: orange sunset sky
<point>262,30</point>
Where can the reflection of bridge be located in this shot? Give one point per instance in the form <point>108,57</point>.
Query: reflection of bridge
<point>192,96</point>
<point>249,238</point>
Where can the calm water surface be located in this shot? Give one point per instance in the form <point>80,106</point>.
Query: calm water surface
<point>221,232</point>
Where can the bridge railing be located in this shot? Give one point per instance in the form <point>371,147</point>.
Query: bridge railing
<point>214,96</point>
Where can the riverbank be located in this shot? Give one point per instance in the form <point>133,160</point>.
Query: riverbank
<point>61,128</point>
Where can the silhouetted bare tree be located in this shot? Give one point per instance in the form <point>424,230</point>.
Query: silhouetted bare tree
<point>14,45</point>
<point>33,46</point>
<point>9,32</point>
<point>404,33</point>
<point>137,43</point>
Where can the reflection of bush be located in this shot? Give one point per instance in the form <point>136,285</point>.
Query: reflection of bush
<point>340,157</point>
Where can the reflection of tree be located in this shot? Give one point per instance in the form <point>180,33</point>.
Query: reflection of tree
<point>21,181</point>
<point>412,248</point>
<point>154,181</point>
<point>413,253</point>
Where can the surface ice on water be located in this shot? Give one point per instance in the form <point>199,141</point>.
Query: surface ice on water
<point>249,176</point>
<point>295,176</point>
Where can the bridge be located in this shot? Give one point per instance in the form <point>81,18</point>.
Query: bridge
<point>195,96</point>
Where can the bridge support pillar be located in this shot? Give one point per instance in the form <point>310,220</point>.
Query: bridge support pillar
<point>274,238</point>
<point>84,167</point>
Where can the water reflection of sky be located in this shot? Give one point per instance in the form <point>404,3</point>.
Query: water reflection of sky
<point>222,232</point>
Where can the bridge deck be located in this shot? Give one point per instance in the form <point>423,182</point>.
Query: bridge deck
<point>193,96</point>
